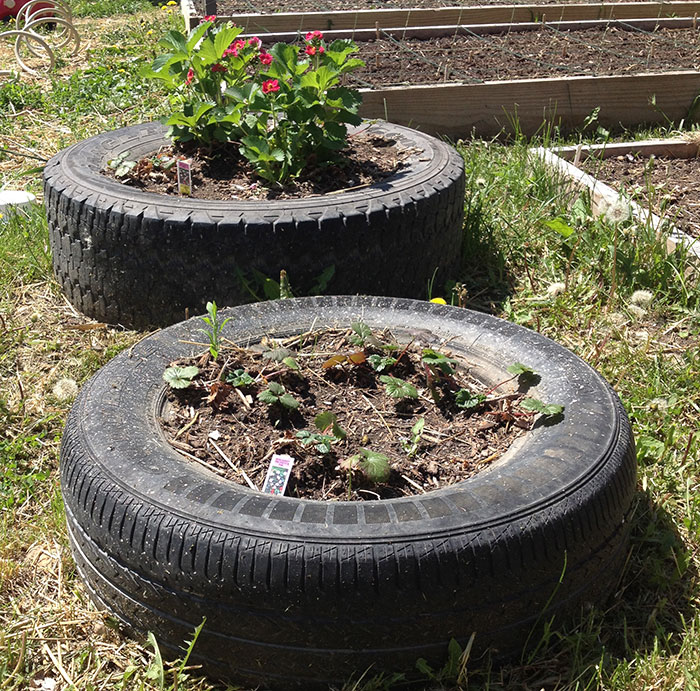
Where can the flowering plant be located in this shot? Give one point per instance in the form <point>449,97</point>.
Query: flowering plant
<point>284,108</point>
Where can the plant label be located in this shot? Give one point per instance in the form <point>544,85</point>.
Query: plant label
<point>278,474</point>
<point>184,177</point>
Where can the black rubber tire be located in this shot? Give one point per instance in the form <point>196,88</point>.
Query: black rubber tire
<point>124,256</point>
<point>298,591</point>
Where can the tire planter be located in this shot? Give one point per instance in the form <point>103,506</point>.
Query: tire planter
<point>124,256</point>
<point>299,592</point>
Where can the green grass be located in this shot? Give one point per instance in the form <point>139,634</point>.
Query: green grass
<point>524,234</point>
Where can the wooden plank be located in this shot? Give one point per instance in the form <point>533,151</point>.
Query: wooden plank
<point>489,108</point>
<point>603,197</point>
<point>426,32</point>
<point>670,148</point>
<point>486,14</point>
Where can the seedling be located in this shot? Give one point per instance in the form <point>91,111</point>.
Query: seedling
<point>398,388</point>
<point>410,446</point>
<point>283,355</point>
<point>375,467</point>
<point>324,422</point>
<point>180,377</point>
<point>517,369</point>
<point>467,400</point>
<point>361,333</point>
<point>214,327</point>
<point>438,363</point>
<point>121,165</point>
<point>381,363</point>
<point>240,379</point>
<point>545,409</point>
<point>275,393</point>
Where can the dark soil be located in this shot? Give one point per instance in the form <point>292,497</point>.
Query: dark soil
<point>526,54</point>
<point>229,7</point>
<point>669,186</point>
<point>455,442</point>
<point>225,174</point>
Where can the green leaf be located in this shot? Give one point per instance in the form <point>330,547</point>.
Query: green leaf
<point>380,363</point>
<point>155,671</point>
<point>361,333</point>
<point>417,429</point>
<point>518,368</point>
<point>537,406</point>
<point>277,354</point>
<point>398,388</point>
<point>180,377</point>
<point>375,465</point>
<point>559,225</point>
<point>240,378</point>
<point>267,396</point>
<point>324,420</point>
<point>439,361</point>
<point>288,401</point>
<point>467,400</point>
<point>276,388</point>
<point>291,363</point>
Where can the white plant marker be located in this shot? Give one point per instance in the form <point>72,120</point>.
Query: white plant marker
<point>184,177</point>
<point>278,474</point>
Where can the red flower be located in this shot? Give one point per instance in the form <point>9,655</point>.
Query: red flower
<point>312,50</point>
<point>265,58</point>
<point>255,41</point>
<point>270,85</point>
<point>190,76</point>
<point>210,18</point>
<point>234,48</point>
<point>218,67</point>
<point>314,35</point>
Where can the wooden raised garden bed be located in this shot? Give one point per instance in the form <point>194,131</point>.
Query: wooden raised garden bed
<point>472,101</point>
<point>570,162</point>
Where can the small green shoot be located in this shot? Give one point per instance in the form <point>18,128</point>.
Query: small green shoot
<point>375,466</point>
<point>439,363</point>
<point>518,369</point>
<point>398,388</point>
<point>381,363</point>
<point>323,441</point>
<point>180,377</point>
<point>361,333</point>
<point>467,400</point>
<point>121,165</point>
<point>240,379</point>
<point>410,446</point>
<point>546,409</point>
<point>275,393</point>
<point>213,329</point>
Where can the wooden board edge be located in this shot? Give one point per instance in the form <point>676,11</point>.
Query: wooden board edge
<point>603,197</point>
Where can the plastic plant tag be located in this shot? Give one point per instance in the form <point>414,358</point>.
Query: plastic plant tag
<point>278,474</point>
<point>184,177</point>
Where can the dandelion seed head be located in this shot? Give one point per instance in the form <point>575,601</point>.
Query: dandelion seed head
<point>637,311</point>
<point>618,211</point>
<point>65,389</point>
<point>555,289</point>
<point>641,297</point>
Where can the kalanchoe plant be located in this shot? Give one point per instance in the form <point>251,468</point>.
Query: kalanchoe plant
<point>284,107</point>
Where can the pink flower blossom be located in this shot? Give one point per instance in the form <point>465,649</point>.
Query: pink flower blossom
<point>218,67</point>
<point>312,50</point>
<point>210,18</point>
<point>234,48</point>
<point>270,85</point>
<point>190,76</point>
<point>265,58</point>
<point>315,35</point>
<point>255,41</point>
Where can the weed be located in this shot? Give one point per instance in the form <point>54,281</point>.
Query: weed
<point>213,328</point>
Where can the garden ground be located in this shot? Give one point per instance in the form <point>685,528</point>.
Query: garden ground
<point>604,287</point>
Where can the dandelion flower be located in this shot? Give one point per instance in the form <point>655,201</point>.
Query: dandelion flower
<point>65,389</point>
<point>637,311</point>
<point>555,289</point>
<point>619,211</point>
<point>641,298</point>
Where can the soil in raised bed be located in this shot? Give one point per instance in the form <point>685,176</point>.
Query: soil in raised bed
<point>230,7</point>
<point>224,174</point>
<point>670,187</point>
<point>526,54</point>
<point>212,420</point>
